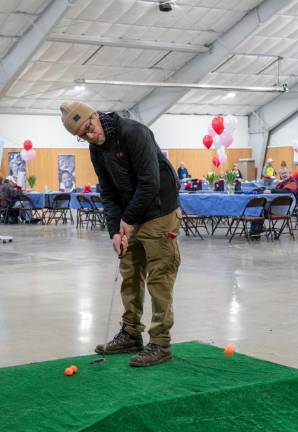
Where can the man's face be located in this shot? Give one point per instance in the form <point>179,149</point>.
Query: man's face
<point>92,130</point>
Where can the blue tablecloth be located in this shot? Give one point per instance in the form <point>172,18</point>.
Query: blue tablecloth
<point>217,204</point>
<point>42,199</point>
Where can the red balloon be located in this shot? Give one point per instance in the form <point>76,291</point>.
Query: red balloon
<point>28,145</point>
<point>218,124</point>
<point>208,141</point>
<point>216,161</point>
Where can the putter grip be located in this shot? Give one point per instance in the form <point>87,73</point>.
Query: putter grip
<point>121,251</point>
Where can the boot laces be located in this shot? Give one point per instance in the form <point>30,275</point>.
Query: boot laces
<point>122,335</point>
<point>149,349</point>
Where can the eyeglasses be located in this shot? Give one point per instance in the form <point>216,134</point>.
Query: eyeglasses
<point>83,136</point>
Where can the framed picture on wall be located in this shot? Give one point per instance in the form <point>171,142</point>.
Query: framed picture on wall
<point>17,168</point>
<point>67,173</point>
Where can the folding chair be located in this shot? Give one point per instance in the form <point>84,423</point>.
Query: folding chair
<point>99,214</point>
<point>27,211</point>
<point>60,209</point>
<point>279,216</point>
<point>85,213</point>
<point>4,213</point>
<point>295,216</point>
<point>252,213</point>
<point>191,223</point>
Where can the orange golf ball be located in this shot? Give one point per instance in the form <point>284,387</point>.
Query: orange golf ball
<point>68,371</point>
<point>74,368</point>
<point>229,350</point>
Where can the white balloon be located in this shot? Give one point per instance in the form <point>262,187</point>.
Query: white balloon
<point>24,155</point>
<point>221,154</point>
<point>230,123</point>
<point>216,141</point>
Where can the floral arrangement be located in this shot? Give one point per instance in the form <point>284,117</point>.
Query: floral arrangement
<point>230,177</point>
<point>211,178</point>
<point>31,181</point>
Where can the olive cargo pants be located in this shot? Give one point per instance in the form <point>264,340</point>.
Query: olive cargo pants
<point>152,254</point>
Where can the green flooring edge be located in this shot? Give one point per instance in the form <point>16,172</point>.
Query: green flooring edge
<point>200,390</point>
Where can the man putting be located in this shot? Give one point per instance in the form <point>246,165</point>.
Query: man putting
<point>140,198</point>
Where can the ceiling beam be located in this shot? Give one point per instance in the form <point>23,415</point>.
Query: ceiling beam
<point>267,120</point>
<point>126,43</point>
<point>160,100</point>
<point>13,64</point>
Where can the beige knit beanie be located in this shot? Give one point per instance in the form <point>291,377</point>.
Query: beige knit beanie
<point>74,114</point>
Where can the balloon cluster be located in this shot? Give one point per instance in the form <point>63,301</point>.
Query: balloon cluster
<point>220,134</point>
<point>28,153</point>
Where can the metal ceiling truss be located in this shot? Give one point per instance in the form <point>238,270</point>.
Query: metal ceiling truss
<point>13,64</point>
<point>268,119</point>
<point>160,100</point>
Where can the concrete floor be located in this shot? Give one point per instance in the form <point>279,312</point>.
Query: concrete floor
<point>56,285</point>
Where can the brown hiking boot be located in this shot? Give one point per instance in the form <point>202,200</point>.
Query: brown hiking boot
<point>123,342</point>
<point>151,355</point>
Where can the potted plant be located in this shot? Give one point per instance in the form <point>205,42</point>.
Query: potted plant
<point>230,177</point>
<point>31,181</point>
<point>211,178</point>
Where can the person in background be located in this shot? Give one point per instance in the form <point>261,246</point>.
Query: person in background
<point>183,172</point>
<point>9,193</point>
<point>269,173</point>
<point>284,171</point>
<point>268,170</point>
<point>140,199</point>
<point>237,171</point>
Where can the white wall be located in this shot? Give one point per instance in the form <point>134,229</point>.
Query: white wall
<point>171,131</point>
<point>285,135</point>
<point>187,131</point>
<point>43,131</point>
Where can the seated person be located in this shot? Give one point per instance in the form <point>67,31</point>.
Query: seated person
<point>290,184</point>
<point>183,172</point>
<point>284,171</point>
<point>9,193</point>
<point>237,171</point>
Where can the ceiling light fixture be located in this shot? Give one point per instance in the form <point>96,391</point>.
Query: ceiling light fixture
<point>274,89</point>
<point>230,95</point>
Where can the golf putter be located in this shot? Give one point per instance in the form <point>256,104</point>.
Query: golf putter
<point>117,271</point>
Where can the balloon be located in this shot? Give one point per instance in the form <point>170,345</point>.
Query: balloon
<point>211,131</point>
<point>215,161</point>
<point>221,155</point>
<point>230,123</point>
<point>218,124</point>
<point>24,155</point>
<point>208,141</point>
<point>216,141</point>
<point>27,145</point>
<point>226,139</point>
<point>31,154</point>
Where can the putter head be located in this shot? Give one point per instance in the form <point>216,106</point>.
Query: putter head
<point>100,360</point>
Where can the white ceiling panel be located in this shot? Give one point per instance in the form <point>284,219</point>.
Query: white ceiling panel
<point>49,77</point>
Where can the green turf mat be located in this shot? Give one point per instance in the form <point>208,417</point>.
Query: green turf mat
<point>200,390</point>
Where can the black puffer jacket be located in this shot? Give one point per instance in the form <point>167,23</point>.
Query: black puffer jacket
<point>138,182</point>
